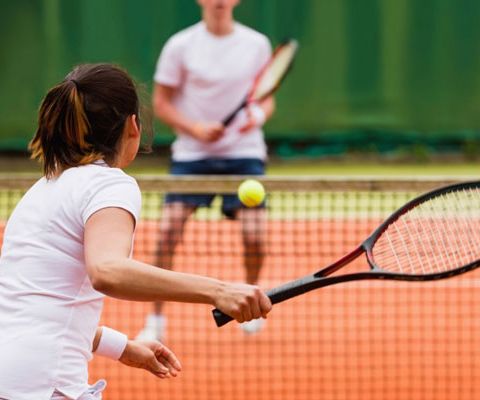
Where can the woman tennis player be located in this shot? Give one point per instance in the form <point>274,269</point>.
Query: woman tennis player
<point>68,243</point>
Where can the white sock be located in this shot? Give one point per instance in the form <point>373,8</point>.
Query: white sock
<point>155,320</point>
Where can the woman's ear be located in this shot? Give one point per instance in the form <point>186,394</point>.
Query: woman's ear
<point>134,129</point>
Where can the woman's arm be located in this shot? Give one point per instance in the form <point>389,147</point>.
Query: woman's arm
<point>96,339</point>
<point>107,241</point>
<point>152,356</point>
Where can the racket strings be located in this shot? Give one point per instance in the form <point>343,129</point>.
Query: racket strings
<point>275,70</point>
<point>438,235</point>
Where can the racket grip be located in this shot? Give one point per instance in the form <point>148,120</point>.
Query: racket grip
<point>228,120</point>
<point>221,318</point>
<point>277,295</point>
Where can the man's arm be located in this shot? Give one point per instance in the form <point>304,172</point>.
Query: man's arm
<point>258,114</point>
<point>165,110</point>
<point>268,106</point>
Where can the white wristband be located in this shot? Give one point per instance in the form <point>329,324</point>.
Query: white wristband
<point>112,343</point>
<point>258,114</point>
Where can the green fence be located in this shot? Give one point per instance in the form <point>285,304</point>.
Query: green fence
<point>388,66</point>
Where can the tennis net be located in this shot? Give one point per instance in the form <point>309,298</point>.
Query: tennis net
<point>371,340</point>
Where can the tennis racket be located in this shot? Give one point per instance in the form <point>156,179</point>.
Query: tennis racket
<point>434,236</point>
<point>269,77</point>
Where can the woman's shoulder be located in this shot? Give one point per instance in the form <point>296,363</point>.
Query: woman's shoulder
<point>97,175</point>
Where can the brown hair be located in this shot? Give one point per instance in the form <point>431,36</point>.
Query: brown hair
<point>81,120</point>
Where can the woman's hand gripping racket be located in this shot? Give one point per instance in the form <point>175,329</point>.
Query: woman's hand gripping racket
<point>435,236</point>
<point>269,77</point>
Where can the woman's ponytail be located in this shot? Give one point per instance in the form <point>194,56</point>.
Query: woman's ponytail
<point>60,139</point>
<point>81,120</point>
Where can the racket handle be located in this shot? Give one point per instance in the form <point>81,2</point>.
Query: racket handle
<point>276,295</point>
<point>221,318</point>
<point>228,120</point>
<point>296,287</point>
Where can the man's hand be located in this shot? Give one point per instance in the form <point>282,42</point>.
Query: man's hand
<point>152,356</point>
<point>254,116</point>
<point>207,132</point>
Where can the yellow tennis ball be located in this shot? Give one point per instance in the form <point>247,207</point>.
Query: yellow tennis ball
<point>251,193</point>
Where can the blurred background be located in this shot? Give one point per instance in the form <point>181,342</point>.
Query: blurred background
<point>394,79</point>
<point>379,87</point>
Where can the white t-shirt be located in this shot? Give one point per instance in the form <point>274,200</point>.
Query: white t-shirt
<point>49,310</point>
<point>212,75</point>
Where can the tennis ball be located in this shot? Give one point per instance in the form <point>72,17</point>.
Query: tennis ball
<point>251,193</point>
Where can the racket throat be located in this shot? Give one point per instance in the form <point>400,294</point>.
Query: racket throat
<point>332,268</point>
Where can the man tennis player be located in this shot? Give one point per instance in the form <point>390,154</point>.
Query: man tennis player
<point>202,74</point>
<point>68,243</point>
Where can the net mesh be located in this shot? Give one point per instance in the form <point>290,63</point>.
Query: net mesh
<point>438,235</point>
<point>376,340</point>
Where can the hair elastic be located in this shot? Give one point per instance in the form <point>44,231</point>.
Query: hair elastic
<point>74,82</point>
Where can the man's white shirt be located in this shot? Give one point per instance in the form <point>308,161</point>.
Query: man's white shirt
<point>212,76</point>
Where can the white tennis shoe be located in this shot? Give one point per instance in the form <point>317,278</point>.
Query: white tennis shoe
<point>253,326</point>
<point>154,329</point>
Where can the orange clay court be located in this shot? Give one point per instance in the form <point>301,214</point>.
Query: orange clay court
<point>367,340</point>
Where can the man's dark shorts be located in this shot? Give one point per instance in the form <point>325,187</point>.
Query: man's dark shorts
<point>215,166</point>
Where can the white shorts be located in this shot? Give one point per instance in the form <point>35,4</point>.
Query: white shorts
<point>94,392</point>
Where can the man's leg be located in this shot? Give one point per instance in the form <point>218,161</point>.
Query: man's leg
<point>253,234</point>
<point>254,223</point>
<point>174,216</point>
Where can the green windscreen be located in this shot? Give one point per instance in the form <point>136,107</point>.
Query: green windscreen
<point>396,65</point>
